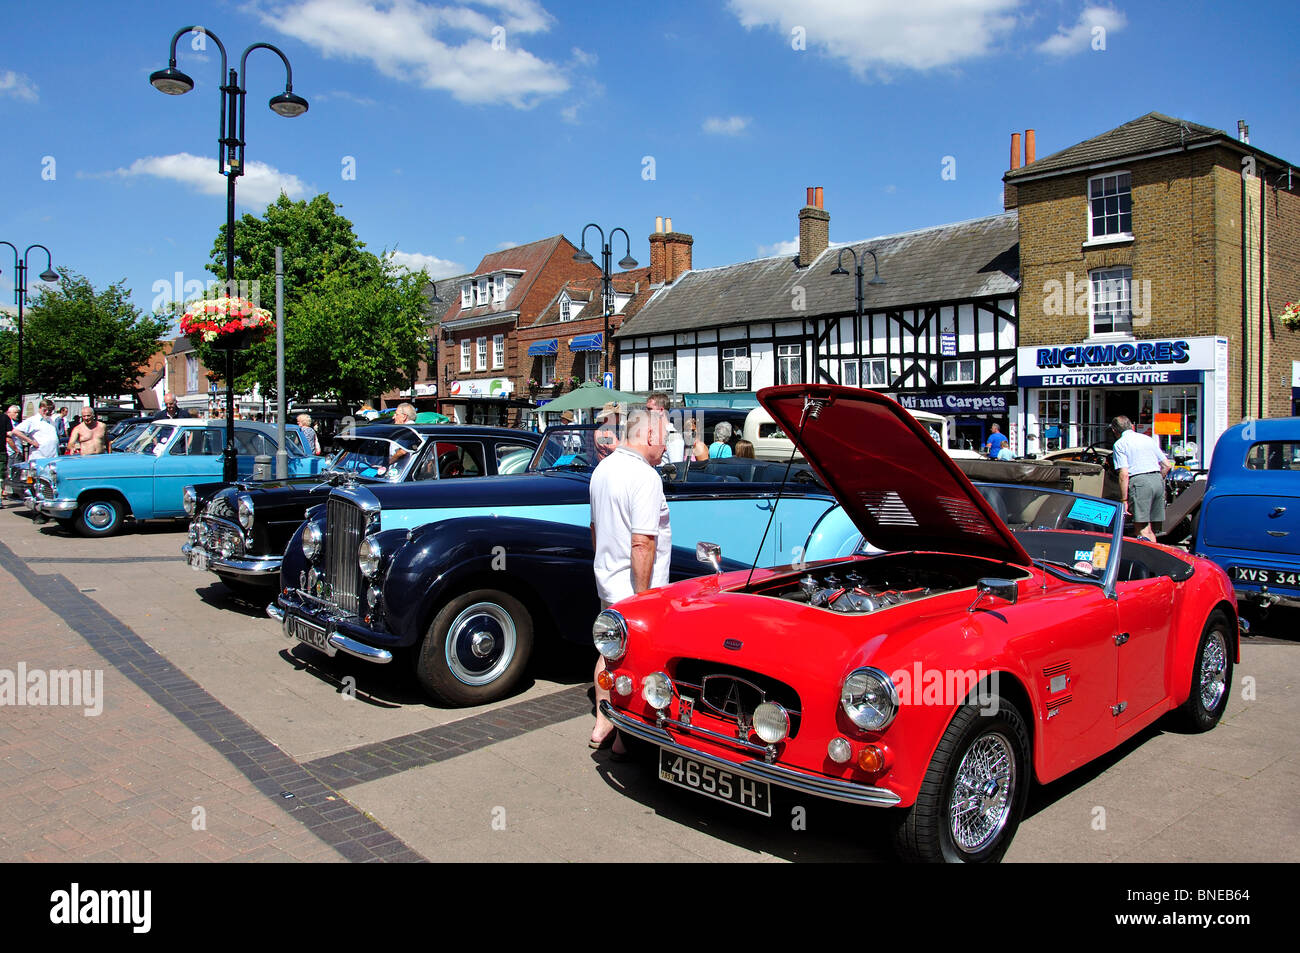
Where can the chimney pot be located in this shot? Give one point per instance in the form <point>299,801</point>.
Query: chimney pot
<point>668,224</point>
<point>819,197</point>
<point>1029,146</point>
<point>1015,150</point>
<point>810,199</point>
<point>659,224</point>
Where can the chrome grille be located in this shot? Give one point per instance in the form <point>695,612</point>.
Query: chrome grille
<point>45,490</point>
<point>732,693</point>
<point>219,537</point>
<point>345,525</point>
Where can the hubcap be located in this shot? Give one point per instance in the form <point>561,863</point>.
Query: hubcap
<point>982,792</point>
<point>100,515</point>
<point>480,644</point>
<point>1214,664</point>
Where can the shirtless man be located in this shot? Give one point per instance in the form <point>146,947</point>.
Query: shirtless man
<point>89,435</point>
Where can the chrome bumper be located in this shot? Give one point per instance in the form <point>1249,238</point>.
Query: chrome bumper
<point>256,568</point>
<point>758,770</point>
<point>336,639</point>
<point>56,508</point>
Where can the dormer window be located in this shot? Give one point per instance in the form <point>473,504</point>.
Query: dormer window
<point>499,288</point>
<point>467,294</point>
<point>483,296</point>
<point>566,311</point>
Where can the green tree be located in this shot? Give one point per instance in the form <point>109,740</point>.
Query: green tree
<point>354,338</point>
<point>80,341</point>
<point>353,324</point>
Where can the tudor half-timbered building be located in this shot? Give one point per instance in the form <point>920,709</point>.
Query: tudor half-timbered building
<point>939,334</point>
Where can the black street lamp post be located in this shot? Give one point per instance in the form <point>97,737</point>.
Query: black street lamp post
<point>20,299</point>
<point>875,279</point>
<point>230,163</point>
<point>606,290</point>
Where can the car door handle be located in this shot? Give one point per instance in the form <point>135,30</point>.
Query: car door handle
<point>1277,511</point>
<point>1278,532</point>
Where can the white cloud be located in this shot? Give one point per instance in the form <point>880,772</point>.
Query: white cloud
<point>1078,38</point>
<point>259,185</point>
<point>583,58</point>
<point>876,37</point>
<point>436,267</point>
<point>779,248</point>
<point>502,246</point>
<point>408,40</point>
<point>17,85</point>
<point>731,126</point>
<point>343,94</point>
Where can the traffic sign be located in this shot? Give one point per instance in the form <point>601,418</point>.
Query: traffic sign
<point>609,380</point>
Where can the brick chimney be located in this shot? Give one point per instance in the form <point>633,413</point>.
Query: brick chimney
<point>670,253</point>
<point>814,228</point>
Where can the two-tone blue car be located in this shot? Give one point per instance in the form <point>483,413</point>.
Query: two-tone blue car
<point>463,576</point>
<point>95,495</point>
<point>1250,519</point>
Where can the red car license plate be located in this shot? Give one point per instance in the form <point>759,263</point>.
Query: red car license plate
<point>313,635</point>
<point>715,782</point>
<point>1267,577</point>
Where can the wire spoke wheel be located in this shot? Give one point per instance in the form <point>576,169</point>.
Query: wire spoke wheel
<point>1214,667</point>
<point>982,792</point>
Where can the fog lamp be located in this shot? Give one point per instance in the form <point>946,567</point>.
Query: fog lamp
<point>771,722</point>
<point>372,596</point>
<point>839,750</point>
<point>623,685</point>
<point>657,690</point>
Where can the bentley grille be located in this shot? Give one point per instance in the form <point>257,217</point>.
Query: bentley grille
<point>732,693</point>
<point>345,526</point>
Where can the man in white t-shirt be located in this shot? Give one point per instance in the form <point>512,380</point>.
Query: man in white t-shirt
<point>38,431</point>
<point>629,528</point>
<point>1141,466</point>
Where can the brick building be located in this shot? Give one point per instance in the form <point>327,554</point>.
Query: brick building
<point>480,361</point>
<point>1153,259</point>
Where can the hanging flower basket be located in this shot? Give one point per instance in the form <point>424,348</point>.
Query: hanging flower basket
<point>1291,316</point>
<point>232,323</point>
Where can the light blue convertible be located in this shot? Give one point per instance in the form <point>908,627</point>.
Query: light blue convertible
<point>95,494</point>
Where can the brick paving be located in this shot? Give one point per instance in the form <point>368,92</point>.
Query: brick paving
<point>124,785</point>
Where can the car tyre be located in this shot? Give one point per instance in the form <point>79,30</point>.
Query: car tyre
<point>476,649</point>
<point>99,518</point>
<point>951,821</point>
<point>1211,675</point>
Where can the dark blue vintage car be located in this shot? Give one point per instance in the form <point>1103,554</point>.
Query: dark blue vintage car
<point>467,577</point>
<point>1250,519</point>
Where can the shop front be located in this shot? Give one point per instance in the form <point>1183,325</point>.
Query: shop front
<point>971,414</point>
<point>487,401</point>
<point>1173,389</point>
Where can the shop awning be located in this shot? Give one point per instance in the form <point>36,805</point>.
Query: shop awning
<point>543,348</point>
<point>587,342</point>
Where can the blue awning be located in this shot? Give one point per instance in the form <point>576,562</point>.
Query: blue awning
<point>587,342</point>
<point>543,348</point>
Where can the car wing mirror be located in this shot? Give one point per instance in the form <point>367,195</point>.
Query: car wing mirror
<point>710,553</point>
<point>991,586</point>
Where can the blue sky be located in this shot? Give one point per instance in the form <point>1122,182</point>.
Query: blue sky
<point>473,125</point>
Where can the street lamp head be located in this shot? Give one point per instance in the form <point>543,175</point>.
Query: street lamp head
<point>288,104</point>
<point>582,255</point>
<point>876,280</point>
<point>49,274</point>
<point>627,263</point>
<point>839,270</point>
<point>171,81</point>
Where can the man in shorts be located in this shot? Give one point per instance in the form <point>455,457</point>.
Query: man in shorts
<point>1141,466</point>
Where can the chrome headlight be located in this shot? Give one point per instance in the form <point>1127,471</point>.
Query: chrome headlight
<point>246,512</point>
<point>189,500</point>
<point>368,554</point>
<point>771,722</point>
<point>311,540</point>
<point>657,690</point>
<point>52,471</point>
<point>869,698</point>
<point>609,632</point>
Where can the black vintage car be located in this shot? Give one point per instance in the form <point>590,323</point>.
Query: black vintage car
<point>239,531</point>
<point>462,579</point>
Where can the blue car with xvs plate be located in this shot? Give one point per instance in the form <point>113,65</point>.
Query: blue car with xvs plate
<point>95,495</point>
<point>1250,519</point>
<point>464,576</point>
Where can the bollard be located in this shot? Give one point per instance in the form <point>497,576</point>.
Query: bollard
<point>262,467</point>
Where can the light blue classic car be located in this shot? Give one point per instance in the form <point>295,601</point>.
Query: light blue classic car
<point>95,494</point>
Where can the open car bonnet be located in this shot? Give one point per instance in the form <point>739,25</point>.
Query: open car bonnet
<point>892,478</point>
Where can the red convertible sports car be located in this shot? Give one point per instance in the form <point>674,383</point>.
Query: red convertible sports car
<point>978,641</point>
